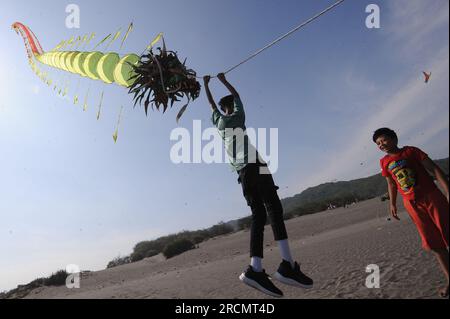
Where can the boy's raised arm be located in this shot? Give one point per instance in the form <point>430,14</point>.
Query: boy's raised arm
<point>438,173</point>
<point>392,189</point>
<point>221,77</point>
<point>206,80</point>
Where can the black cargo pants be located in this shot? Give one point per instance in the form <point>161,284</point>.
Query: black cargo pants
<point>261,194</point>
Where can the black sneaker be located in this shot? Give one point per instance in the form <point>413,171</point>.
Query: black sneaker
<point>261,282</point>
<point>293,276</point>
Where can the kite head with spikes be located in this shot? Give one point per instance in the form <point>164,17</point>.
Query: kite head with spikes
<point>162,79</point>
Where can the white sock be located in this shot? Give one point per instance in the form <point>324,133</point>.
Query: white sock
<point>286,251</point>
<point>256,264</point>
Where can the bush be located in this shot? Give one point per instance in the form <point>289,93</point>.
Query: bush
<point>148,249</point>
<point>143,247</point>
<point>137,256</point>
<point>245,223</point>
<point>289,215</point>
<point>57,279</point>
<point>198,239</point>
<point>119,261</point>
<point>197,236</point>
<point>37,283</point>
<point>220,229</point>
<point>151,253</point>
<point>178,247</point>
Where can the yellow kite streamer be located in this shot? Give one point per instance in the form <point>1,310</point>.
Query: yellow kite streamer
<point>89,40</point>
<point>103,41</point>
<point>116,133</point>
<point>85,105</point>
<point>130,28</point>
<point>75,98</point>
<point>151,45</point>
<point>100,107</point>
<point>116,36</point>
<point>83,40</point>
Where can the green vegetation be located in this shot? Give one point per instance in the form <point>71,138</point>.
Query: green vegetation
<point>56,279</point>
<point>152,248</point>
<point>178,247</point>
<point>118,261</point>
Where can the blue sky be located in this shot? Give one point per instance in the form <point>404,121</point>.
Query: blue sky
<point>69,195</point>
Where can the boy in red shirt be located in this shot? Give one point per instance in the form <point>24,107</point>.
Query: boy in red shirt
<point>406,171</point>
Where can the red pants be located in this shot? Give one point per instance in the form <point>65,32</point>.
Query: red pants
<point>430,214</point>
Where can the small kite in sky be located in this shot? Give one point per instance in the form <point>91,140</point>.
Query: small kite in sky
<point>427,76</point>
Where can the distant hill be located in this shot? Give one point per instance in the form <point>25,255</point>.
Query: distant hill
<point>359,189</point>
<point>443,163</point>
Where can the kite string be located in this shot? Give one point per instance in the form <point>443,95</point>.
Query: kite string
<point>284,36</point>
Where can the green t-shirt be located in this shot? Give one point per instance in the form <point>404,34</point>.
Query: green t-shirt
<point>234,133</point>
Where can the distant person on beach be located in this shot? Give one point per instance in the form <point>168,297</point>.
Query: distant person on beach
<point>406,171</point>
<point>260,193</point>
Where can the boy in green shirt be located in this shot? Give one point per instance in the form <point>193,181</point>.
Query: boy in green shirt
<point>260,192</point>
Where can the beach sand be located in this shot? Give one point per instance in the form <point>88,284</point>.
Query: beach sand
<point>333,247</point>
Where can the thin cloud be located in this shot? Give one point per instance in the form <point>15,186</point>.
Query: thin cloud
<point>414,22</point>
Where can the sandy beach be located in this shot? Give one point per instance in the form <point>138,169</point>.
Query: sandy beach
<point>333,247</point>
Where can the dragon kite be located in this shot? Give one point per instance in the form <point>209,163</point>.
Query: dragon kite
<point>153,79</point>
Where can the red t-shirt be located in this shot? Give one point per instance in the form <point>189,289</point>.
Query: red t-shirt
<point>406,168</point>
